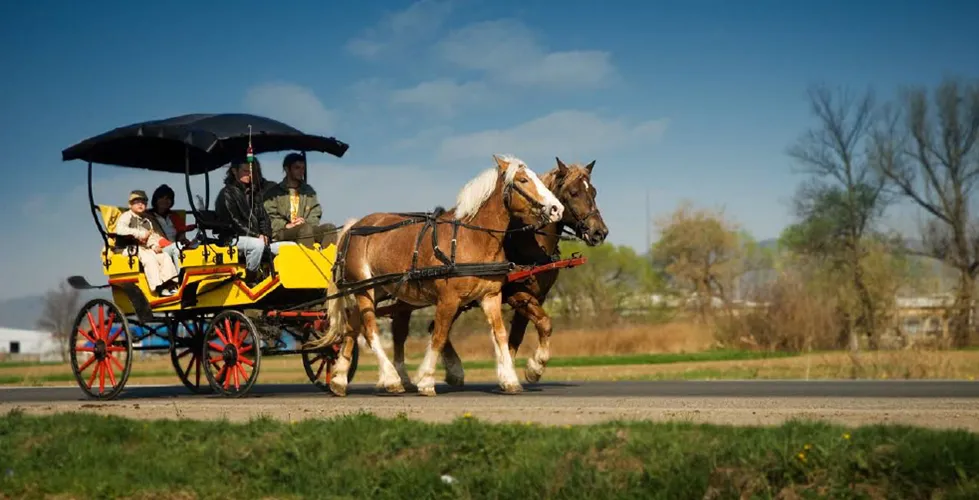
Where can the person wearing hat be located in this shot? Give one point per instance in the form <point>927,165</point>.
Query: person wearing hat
<point>137,224</point>
<point>293,208</point>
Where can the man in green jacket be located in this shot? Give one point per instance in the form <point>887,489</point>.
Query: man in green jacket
<point>294,209</point>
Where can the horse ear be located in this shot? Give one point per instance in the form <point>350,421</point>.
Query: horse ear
<point>501,163</point>
<point>590,166</point>
<point>562,169</point>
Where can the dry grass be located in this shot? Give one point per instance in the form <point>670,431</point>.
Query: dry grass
<point>630,339</point>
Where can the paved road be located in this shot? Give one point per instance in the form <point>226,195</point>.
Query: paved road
<point>656,389</point>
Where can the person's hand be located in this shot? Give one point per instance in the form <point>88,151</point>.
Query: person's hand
<point>265,239</point>
<point>157,249</point>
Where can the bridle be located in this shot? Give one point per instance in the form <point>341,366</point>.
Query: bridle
<point>508,190</point>
<point>579,224</point>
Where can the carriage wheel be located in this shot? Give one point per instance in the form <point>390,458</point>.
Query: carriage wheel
<point>319,363</point>
<point>232,353</point>
<point>187,347</point>
<point>99,339</point>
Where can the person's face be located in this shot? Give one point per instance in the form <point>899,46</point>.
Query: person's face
<point>138,206</point>
<point>297,171</point>
<point>244,174</point>
<point>164,203</point>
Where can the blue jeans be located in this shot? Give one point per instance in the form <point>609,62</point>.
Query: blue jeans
<point>252,248</point>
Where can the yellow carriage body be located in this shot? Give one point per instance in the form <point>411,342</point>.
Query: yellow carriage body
<point>296,268</point>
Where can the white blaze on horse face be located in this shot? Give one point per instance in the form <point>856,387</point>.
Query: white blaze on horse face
<point>552,206</point>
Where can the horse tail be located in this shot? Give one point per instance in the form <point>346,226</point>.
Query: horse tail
<point>336,307</point>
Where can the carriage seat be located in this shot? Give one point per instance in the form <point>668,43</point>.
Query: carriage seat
<point>111,213</point>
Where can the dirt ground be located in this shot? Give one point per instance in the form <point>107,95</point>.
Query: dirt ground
<point>935,413</point>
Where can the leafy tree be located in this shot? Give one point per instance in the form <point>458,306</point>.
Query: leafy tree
<point>702,252</point>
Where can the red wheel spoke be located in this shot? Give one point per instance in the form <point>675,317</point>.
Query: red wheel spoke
<point>237,378</point>
<point>91,322</point>
<point>85,349</point>
<point>102,331</point>
<point>217,330</point>
<point>239,338</point>
<point>105,367</point>
<point>216,347</point>
<point>118,364</point>
<point>112,376</point>
<point>216,359</point>
<point>221,373</point>
<point>86,365</point>
<point>108,327</point>
<point>245,349</point>
<point>228,375</point>
<point>86,335</point>
<point>95,373</point>
<point>229,332</point>
<point>115,348</point>
<point>247,362</point>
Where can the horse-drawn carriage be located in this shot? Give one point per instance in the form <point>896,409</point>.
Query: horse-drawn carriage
<point>219,324</point>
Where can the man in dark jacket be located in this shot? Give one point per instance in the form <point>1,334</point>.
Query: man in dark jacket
<point>239,205</point>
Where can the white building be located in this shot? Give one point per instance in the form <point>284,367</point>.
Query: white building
<point>30,344</point>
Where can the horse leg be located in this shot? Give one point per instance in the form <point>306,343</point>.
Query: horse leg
<point>505,373</point>
<point>455,375</point>
<point>350,322</point>
<point>542,322</point>
<point>388,378</point>
<point>445,311</point>
<point>400,328</point>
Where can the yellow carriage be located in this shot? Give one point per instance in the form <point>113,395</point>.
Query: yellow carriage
<point>215,324</point>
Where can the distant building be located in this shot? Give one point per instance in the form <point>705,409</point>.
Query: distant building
<point>28,345</point>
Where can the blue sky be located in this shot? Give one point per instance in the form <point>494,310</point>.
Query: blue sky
<point>694,99</point>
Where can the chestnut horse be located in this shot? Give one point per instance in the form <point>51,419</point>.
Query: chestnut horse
<point>485,209</point>
<point>574,189</point>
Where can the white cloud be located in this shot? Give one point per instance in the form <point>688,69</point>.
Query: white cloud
<point>399,29</point>
<point>508,52</point>
<point>292,104</point>
<point>444,97</point>
<point>566,132</point>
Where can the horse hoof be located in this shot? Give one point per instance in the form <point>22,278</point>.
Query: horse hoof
<point>394,389</point>
<point>532,376</point>
<point>512,388</point>
<point>338,390</point>
<point>427,391</point>
<point>456,381</point>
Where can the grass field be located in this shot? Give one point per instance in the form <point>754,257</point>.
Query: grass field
<point>358,456</point>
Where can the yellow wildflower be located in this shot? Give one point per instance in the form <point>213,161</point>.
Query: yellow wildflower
<point>846,435</point>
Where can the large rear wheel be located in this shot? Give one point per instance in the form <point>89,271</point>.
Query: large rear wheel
<point>101,349</point>
<point>232,353</point>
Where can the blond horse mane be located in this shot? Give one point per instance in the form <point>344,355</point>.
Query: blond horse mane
<point>478,190</point>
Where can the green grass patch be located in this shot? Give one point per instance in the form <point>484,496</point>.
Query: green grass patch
<point>361,456</point>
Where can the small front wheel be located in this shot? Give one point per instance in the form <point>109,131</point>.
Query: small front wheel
<point>232,353</point>
<point>319,363</point>
<point>100,341</point>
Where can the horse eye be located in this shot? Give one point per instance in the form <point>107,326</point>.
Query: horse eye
<point>524,180</point>
<point>574,193</point>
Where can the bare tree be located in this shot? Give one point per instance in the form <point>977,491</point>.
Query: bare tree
<point>845,195</point>
<point>929,151</point>
<point>60,308</point>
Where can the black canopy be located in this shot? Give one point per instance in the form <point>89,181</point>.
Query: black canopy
<point>211,140</point>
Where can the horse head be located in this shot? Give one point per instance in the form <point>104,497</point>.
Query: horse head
<point>576,192</point>
<point>524,195</point>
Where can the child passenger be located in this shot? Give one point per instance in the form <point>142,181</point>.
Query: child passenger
<point>160,270</point>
